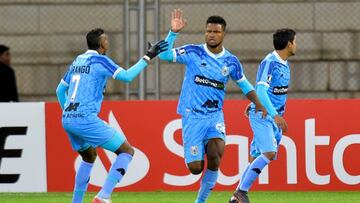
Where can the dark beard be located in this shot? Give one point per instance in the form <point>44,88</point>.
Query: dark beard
<point>213,46</point>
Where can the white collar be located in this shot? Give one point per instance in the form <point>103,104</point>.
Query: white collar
<point>279,58</point>
<point>214,55</point>
<point>91,52</point>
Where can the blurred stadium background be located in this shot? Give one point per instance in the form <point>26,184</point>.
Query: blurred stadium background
<point>45,35</point>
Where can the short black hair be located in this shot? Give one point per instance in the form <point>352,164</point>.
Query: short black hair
<point>216,20</point>
<point>3,49</point>
<point>93,38</point>
<point>281,38</point>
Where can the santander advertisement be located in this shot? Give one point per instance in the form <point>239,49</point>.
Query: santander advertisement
<point>319,152</point>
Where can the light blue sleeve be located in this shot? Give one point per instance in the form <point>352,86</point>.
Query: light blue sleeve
<point>129,74</point>
<point>61,93</point>
<point>245,85</point>
<point>168,55</point>
<point>261,91</point>
<point>237,73</point>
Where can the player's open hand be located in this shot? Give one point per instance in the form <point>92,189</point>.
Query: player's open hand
<point>156,49</point>
<point>261,108</point>
<point>281,123</point>
<point>177,20</point>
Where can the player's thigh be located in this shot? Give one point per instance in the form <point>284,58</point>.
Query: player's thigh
<point>264,135</point>
<point>215,134</point>
<point>96,132</point>
<point>118,144</point>
<point>193,134</point>
<point>215,148</point>
<point>76,141</point>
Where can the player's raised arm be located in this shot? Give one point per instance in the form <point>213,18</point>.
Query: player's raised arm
<point>178,22</point>
<point>129,74</point>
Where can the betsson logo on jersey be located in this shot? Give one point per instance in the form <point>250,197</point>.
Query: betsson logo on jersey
<point>280,90</point>
<point>201,80</point>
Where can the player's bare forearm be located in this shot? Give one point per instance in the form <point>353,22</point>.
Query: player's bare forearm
<point>252,96</point>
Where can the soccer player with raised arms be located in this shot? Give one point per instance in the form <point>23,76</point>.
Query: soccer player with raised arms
<point>80,94</point>
<point>272,81</point>
<point>208,68</point>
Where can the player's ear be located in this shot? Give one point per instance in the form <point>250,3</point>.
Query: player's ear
<point>102,43</point>
<point>289,44</point>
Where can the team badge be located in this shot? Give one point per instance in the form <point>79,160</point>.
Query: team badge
<point>220,127</point>
<point>225,71</point>
<point>194,150</point>
<point>182,51</point>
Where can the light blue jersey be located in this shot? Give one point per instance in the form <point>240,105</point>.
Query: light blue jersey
<point>86,81</point>
<point>206,75</point>
<point>202,94</point>
<point>272,82</point>
<point>274,73</point>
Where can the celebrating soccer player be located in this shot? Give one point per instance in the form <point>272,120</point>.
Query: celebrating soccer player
<point>272,83</point>
<point>208,68</point>
<point>80,94</point>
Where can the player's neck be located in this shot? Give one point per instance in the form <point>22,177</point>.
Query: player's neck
<point>215,50</point>
<point>283,54</point>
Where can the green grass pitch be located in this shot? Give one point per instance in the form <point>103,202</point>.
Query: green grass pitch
<point>188,197</point>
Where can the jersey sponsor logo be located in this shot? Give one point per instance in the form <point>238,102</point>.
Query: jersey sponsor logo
<point>280,90</point>
<point>72,106</point>
<point>210,104</point>
<point>225,71</point>
<point>201,80</point>
<point>74,115</point>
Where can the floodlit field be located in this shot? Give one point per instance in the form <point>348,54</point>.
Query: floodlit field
<point>188,197</point>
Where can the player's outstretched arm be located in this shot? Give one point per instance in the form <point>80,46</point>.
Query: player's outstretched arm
<point>153,50</point>
<point>178,22</point>
<point>61,93</point>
